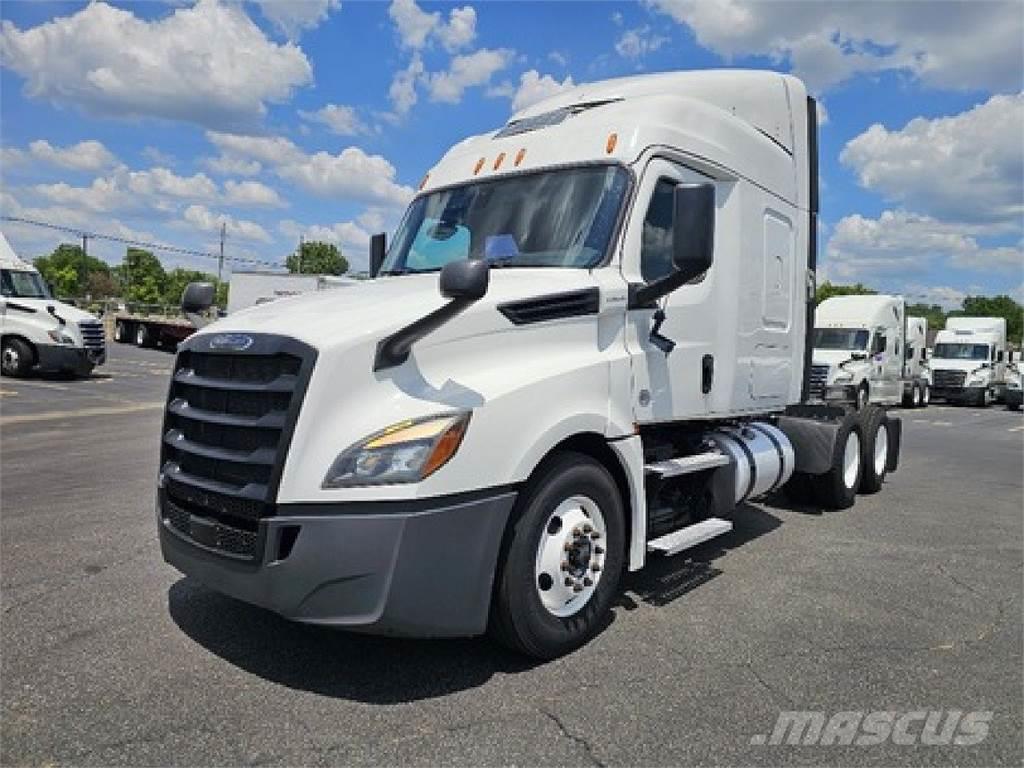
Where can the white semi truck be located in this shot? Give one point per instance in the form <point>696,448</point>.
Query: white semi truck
<point>615,361</point>
<point>866,350</point>
<point>968,362</point>
<point>37,332</point>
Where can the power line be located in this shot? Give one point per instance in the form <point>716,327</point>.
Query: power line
<point>87,235</point>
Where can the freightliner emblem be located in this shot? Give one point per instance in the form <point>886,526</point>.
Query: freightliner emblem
<point>235,341</point>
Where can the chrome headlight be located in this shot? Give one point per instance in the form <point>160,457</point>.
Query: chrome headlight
<point>61,336</point>
<point>843,377</point>
<point>406,452</point>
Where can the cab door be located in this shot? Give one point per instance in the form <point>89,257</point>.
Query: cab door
<point>667,386</point>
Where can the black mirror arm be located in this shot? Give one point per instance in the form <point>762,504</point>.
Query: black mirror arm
<point>58,318</point>
<point>393,350</point>
<point>643,295</point>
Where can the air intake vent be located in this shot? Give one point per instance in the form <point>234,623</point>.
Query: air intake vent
<point>548,119</point>
<point>554,307</point>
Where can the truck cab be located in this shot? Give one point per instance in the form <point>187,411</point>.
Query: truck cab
<point>580,351</point>
<point>39,332</point>
<point>968,362</point>
<point>860,350</point>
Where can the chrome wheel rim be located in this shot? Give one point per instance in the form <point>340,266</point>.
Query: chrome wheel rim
<point>570,556</point>
<point>881,449</point>
<point>851,460</point>
<point>925,396</point>
<point>917,396</point>
<point>11,359</point>
<point>140,337</point>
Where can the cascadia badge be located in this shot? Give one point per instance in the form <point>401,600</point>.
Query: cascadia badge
<point>235,341</point>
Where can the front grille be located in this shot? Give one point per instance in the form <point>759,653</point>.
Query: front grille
<point>819,376</point>
<point>226,432</point>
<point>948,379</point>
<point>92,334</point>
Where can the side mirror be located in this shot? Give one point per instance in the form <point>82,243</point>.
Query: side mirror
<point>378,248</point>
<point>693,242</point>
<point>465,280</point>
<point>693,229</point>
<point>197,297</point>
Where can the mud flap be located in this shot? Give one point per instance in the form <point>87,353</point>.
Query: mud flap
<point>895,427</point>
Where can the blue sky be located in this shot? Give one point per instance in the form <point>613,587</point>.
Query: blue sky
<point>159,121</point>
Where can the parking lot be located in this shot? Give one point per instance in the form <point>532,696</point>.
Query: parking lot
<point>911,600</point>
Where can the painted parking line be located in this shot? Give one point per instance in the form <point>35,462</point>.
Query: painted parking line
<point>942,423</point>
<point>36,384</point>
<point>81,412</point>
<point>1016,429</point>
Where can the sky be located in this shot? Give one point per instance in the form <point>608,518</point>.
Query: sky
<point>281,119</point>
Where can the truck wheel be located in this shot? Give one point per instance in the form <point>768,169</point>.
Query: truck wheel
<point>799,488</point>
<point>142,336</point>
<point>16,358</point>
<point>837,488</point>
<point>561,560</point>
<point>915,401</point>
<point>874,451</point>
<point>1013,406</point>
<point>120,332</point>
<point>926,396</point>
<point>862,397</point>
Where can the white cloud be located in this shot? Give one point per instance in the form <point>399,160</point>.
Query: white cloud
<point>467,71</point>
<point>83,156</point>
<point>229,165</point>
<point>157,156</point>
<point>899,243</point>
<point>251,193</point>
<point>351,237</point>
<point>636,43</point>
<point>207,64</point>
<point>969,167</point>
<point>822,113</point>
<point>534,87</point>
<point>830,41</point>
<point>559,58</point>
<point>293,17</point>
<point>102,196</point>
<point>202,218</point>
<point>161,181</point>
<point>341,120</point>
<point>416,27</point>
<point>945,296</point>
<point>155,189</point>
<point>403,86</point>
<point>350,174</point>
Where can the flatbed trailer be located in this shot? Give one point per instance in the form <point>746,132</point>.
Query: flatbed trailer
<point>151,330</point>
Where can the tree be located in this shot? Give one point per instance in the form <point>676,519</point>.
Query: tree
<point>933,313</point>
<point>142,276</point>
<point>177,279</point>
<point>69,269</point>
<point>827,290</point>
<point>318,258</point>
<point>996,306</point>
<point>102,285</point>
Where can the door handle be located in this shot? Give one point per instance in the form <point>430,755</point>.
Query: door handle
<point>707,373</point>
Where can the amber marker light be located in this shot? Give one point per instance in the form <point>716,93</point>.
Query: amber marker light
<point>609,146</point>
<point>479,165</point>
<point>519,156</point>
<point>424,182</point>
<point>499,160</point>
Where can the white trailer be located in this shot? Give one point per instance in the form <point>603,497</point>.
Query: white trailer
<point>250,289</point>
<point>866,350</point>
<point>968,362</point>
<point>615,361</point>
<point>37,331</point>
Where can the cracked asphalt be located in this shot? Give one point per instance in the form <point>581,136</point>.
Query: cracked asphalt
<point>912,600</point>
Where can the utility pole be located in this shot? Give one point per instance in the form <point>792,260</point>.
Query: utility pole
<point>220,261</point>
<point>85,243</point>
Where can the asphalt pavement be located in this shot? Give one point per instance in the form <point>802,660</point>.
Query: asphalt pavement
<point>910,601</point>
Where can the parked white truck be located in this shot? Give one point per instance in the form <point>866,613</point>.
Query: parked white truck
<point>39,332</point>
<point>614,362</point>
<point>866,350</point>
<point>968,362</point>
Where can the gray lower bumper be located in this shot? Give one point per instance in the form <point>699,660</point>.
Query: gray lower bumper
<point>52,357</point>
<point>424,573</point>
<point>1014,397</point>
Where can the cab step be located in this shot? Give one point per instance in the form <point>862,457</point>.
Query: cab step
<point>690,536</point>
<point>684,465</point>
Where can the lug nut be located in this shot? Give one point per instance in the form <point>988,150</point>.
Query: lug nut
<point>577,587</point>
<point>567,546</point>
<point>598,550</point>
<point>568,581</point>
<point>565,565</point>
<point>595,535</point>
<point>595,567</point>
<point>588,528</point>
<point>576,532</point>
<point>588,583</point>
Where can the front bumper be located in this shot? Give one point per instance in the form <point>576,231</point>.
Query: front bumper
<point>846,393</point>
<point>958,394</point>
<point>1014,397</point>
<point>53,357</point>
<point>425,570</point>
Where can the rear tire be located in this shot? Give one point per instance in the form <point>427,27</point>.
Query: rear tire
<point>533,613</point>
<point>16,358</point>
<point>926,396</point>
<point>874,450</point>
<point>863,396</point>
<point>837,488</point>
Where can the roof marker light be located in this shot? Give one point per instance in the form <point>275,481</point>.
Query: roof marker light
<point>519,156</point>
<point>499,160</point>
<point>609,146</point>
<point>479,165</point>
<point>424,182</point>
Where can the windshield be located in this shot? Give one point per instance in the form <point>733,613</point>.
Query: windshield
<point>562,218</point>
<point>961,351</point>
<point>22,284</point>
<point>840,338</point>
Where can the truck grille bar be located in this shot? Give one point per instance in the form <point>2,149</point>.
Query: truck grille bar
<point>819,375</point>
<point>948,379</point>
<point>92,334</point>
<point>229,419</point>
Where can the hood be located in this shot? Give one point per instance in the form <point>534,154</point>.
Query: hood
<point>942,364</point>
<point>833,357</point>
<point>375,308</point>
<point>73,315</point>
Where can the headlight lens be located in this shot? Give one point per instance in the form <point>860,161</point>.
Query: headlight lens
<point>843,377</point>
<point>406,452</point>
<point>61,337</point>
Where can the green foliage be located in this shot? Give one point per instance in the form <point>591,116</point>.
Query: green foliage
<point>933,313</point>
<point>142,276</point>
<point>70,270</point>
<point>827,290</point>
<point>176,281</point>
<point>318,258</point>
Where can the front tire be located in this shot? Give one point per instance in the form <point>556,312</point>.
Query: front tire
<point>926,396</point>
<point>16,358</point>
<point>142,336</point>
<point>874,451</point>
<point>863,395</point>
<point>561,560</point>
